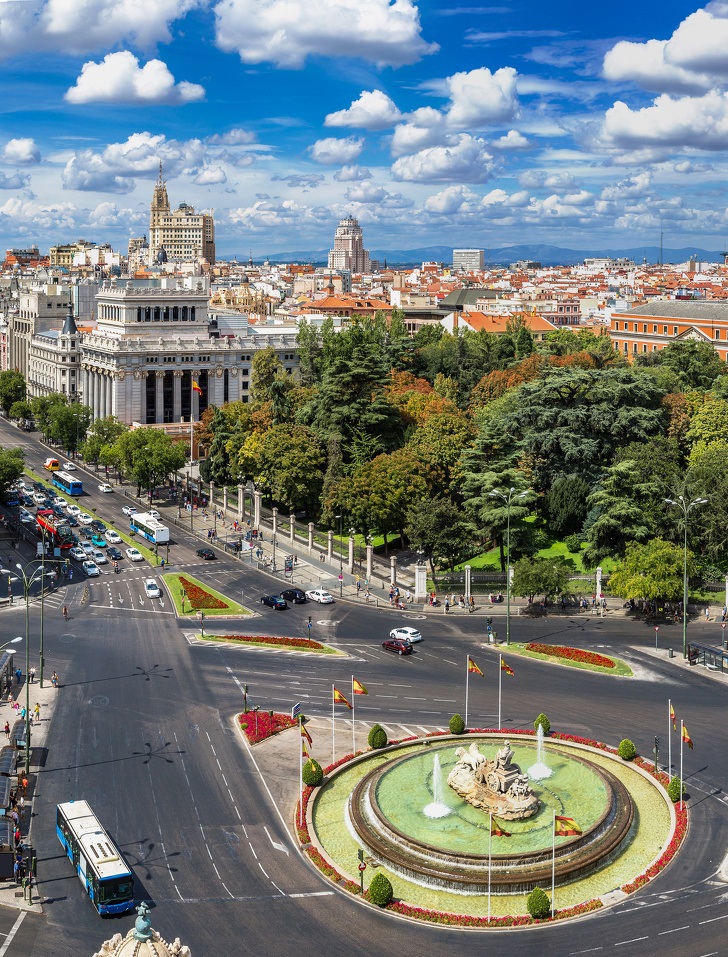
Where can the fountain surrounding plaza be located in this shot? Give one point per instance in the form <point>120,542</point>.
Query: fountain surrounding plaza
<point>437,808</point>
<point>540,771</point>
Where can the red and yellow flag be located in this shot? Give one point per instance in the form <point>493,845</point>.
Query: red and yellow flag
<point>496,830</point>
<point>686,737</point>
<point>357,687</point>
<point>566,827</point>
<point>305,734</point>
<point>473,668</point>
<point>340,699</point>
<point>304,748</point>
<point>507,668</point>
<point>196,387</point>
<point>672,718</point>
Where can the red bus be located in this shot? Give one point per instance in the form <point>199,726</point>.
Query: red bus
<point>58,528</point>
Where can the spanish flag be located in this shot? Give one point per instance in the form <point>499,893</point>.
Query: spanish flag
<point>566,827</point>
<point>507,668</point>
<point>340,699</point>
<point>496,830</point>
<point>304,748</point>
<point>305,734</point>
<point>196,387</point>
<point>473,668</point>
<point>686,737</point>
<point>358,687</point>
<point>672,718</point>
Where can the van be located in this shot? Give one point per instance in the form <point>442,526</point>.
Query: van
<point>52,465</point>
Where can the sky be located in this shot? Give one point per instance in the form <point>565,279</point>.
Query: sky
<point>484,125</point>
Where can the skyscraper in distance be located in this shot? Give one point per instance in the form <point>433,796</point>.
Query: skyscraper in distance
<point>348,252</point>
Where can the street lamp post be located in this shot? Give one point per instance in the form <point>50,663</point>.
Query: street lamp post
<point>508,498</point>
<point>340,517</point>
<point>685,507</point>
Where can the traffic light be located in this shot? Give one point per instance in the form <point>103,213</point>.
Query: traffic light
<point>309,619</point>
<point>360,854</point>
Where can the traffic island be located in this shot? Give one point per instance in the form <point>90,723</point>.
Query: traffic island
<point>192,597</point>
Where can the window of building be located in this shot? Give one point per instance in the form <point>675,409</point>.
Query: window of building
<point>674,330</point>
<point>716,334</point>
<point>664,330</point>
<point>634,347</point>
<point>654,328</point>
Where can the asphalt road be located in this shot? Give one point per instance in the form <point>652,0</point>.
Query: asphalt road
<point>144,731</point>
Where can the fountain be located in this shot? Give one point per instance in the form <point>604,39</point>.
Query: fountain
<point>540,770</point>
<point>437,808</point>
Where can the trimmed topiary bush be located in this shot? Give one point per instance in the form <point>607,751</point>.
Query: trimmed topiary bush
<point>544,722</point>
<point>380,890</point>
<point>457,725</point>
<point>673,790</point>
<point>377,737</point>
<point>538,904</point>
<point>626,750</point>
<point>312,773</point>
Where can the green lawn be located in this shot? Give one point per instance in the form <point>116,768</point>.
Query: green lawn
<point>185,610</point>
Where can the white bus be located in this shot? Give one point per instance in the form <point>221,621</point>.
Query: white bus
<point>148,526</point>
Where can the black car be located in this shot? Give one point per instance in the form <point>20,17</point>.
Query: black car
<point>114,554</point>
<point>294,595</point>
<point>273,601</point>
<point>59,511</point>
<point>70,520</point>
<point>98,526</point>
<point>86,532</point>
<point>206,553</point>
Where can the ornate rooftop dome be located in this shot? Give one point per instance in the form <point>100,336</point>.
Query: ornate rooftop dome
<point>142,941</point>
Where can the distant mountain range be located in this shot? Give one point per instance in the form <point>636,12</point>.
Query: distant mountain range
<point>502,255</point>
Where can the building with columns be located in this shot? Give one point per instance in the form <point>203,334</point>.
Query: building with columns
<point>182,235</point>
<point>54,363</point>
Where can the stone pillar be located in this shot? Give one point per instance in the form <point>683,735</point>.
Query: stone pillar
<point>351,554</point>
<point>420,582</point>
<point>224,500</point>
<point>177,395</point>
<point>275,520</point>
<point>97,396</point>
<point>256,507</point>
<point>159,397</point>
<point>212,496</point>
<point>330,546</point>
<point>599,582</point>
<point>293,528</point>
<point>370,561</point>
<point>141,385</point>
<point>726,590</point>
<point>241,503</point>
<point>468,571</point>
<point>310,542</point>
<point>393,569</point>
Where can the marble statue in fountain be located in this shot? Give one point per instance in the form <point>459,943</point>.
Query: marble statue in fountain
<point>497,787</point>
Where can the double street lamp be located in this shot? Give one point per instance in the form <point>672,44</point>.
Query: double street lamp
<point>685,507</point>
<point>508,497</point>
<point>340,517</point>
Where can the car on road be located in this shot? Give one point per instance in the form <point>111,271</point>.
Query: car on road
<point>112,537</point>
<point>78,553</point>
<point>134,554</point>
<point>99,541</point>
<point>397,646</point>
<point>72,521</point>
<point>91,569</point>
<point>88,549</point>
<point>151,588</point>
<point>98,526</point>
<point>114,554</point>
<point>58,510</point>
<point>320,595</point>
<point>406,634</point>
<point>105,488</point>
<point>129,510</point>
<point>206,553</point>
<point>100,557</point>
<point>154,513</point>
<point>294,595</point>
<point>84,518</point>
<point>274,601</point>
<point>39,498</point>
<point>68,467</point>
<point>26,518</point>
<point>73,510</point>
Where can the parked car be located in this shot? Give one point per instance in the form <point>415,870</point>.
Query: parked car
<point>406,634</point>
<point>273,601</point>
<point>84,518</point>
<point>319,595</point>
<point>152,588</point>
<point>100,557</point>
<point>397,646</point>
<point>78,553</point>
<point>134,554</point>
<point>98,525</point>
<point>104,487</point>
<point>112,537</point>
<point>91,569</point>
<point>206,553</point>
<point>129,509</point>
<point>294,595</point>
<point>68,467</point>
<point>114,554</point>
<point>99,541</point>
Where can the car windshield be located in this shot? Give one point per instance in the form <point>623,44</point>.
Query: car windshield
<point>116,889</point>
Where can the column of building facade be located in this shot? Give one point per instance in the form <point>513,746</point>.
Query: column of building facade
<point>159,397</point>
<point>177,395</point>
<point>97,393</point>
<point>102,395</point>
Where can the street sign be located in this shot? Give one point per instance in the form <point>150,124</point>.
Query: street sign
<point>296,710</point>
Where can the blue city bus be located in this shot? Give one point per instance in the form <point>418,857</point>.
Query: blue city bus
<point>150,527</point>
<point>63,481</point>
<point>98,861</point>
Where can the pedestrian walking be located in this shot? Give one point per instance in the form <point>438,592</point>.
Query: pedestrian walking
<point>16,870</point>
<point>21,805</point>
<point>36,713</point>
<point>7,730</point>
<point>65,613</point>
<point>447,605</point>
<point>707,614</point>
<point>18,675</point>
<point>32,675</point>
<point>70,574</point>
<point>54,680</point>
<point>15,817</point>
<point>17,836</point>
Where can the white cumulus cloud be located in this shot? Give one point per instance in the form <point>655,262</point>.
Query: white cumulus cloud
<point>119,78</point>
<point>465,160</point>
<point>209,176</point>
<point>386,32</point>
<point>234,137</point>
<point>20,152</point>
<point>479,98</point>
<point>670,122</point>
<point>374,110</point>
<point>332,151</point>
<point>351,173</point>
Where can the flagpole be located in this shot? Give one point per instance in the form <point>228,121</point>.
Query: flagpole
<point>490,859</point>
<point>333,725</point>
<point>467,682</point>
<point>353,716</point>
<point>553,862</point>
<point>669,738</point>
<point>682,731</point>
<point>500,688</point>
<point>300,772</point>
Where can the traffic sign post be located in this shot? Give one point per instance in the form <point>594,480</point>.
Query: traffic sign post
<point>657,628</point>
<point>362,868</point>
<point>296,710</point>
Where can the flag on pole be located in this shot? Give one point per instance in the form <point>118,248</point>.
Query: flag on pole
<point>340,699</point>
<point>473,668</point>
<point>672,718</point>
<point>304,748</point>
<point>507,668</point>
<point>686,737</point>
<point>305,734</point>
<point>565,826</point>
<point>496,830</point>
<point>196,387</point>
<point>357,687</point>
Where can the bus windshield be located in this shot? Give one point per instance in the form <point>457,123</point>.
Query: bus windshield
<point>116,889</point>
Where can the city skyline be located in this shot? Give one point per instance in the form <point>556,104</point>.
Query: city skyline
<point>461,125</point>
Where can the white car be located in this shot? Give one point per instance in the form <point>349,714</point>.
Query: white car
<point>73,510</point>
<point>134,554</point>
<point>100,557</point>
<point>152,588</point>
<point>319,595</point>
<point>84,518</point>
<point>129,510</point>
<point>112,537</point>
<point>78,553</point>
<point>39,498</point>
<point>91,569</point>
<point>26,518</point>
<point>406,634</point>
<point>68,467</point>
<point>88,549</point>
<point>154,513</point>
<point>106,488</point>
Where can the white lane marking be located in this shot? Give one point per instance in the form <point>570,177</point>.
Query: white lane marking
<point>262,869</point>
<point>313,894</point>
<point>632,941</point>
<point>674,930</point>
<point>276,844</point>
<point>450,662</point>
<point>13,931</point>
<point>713,919</point>
<point>253,850</point>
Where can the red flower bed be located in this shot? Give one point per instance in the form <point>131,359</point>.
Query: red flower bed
<point>262,724</point>
<point>198,597</point>
<point>572,654</point>
<point>274,640</point>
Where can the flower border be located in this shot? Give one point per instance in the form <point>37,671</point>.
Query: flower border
<point>571,654</point>
<point>268,723</point>
<point>306,643</point>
